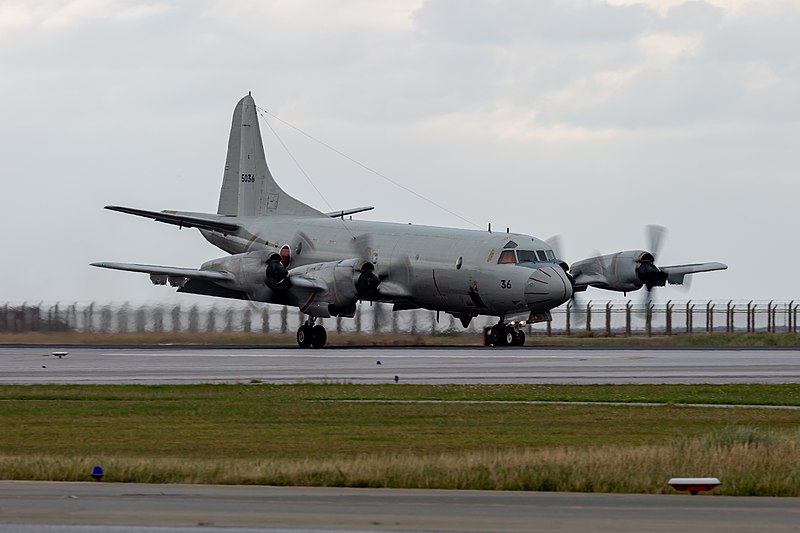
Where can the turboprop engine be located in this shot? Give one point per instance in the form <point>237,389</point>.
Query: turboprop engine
<point>337,285</point>
<point>622,271</point>
<point>322,289</point>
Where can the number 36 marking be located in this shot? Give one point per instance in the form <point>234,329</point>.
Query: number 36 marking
<point>505,284</point>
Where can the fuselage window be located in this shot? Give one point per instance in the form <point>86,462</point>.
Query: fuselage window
<point>542,255</point>
<point>526,256</point>
<point>506,256</point>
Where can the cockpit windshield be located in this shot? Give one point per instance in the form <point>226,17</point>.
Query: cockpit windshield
<point>526,256</point>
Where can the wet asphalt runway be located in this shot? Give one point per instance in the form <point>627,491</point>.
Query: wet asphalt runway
<point>113,365</point>
<point>69,507</point>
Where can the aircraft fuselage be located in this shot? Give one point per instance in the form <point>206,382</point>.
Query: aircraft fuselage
<point>444,269</point>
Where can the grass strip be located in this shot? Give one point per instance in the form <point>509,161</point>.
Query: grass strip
<point>395,339</point>
<point>283,435</point>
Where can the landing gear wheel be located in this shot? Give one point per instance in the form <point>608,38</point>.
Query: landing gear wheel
<point>519,337</point>
<point>510,336</point>
<point>497,335</point>
<point>304,336</point>
<point>318,336</point>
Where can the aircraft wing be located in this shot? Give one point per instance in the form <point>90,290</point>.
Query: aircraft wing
<point>198,220</point>
<point>676,273</point>
<point>173,272</point>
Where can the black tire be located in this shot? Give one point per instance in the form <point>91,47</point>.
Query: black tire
<point>520,338</point>
<point>304,336</point>
<point>510,336</point>
<point>318,336</point>
<point>498,335</point>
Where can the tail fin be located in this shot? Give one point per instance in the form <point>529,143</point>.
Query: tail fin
<point>247,185</point>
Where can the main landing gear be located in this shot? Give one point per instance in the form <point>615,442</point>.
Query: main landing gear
<point>506,335</point>
<point>311,335</point>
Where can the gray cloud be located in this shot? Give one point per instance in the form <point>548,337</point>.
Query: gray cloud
<point>481,22</point>
<point>550,117</point>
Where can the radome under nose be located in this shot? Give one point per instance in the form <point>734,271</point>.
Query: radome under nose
<point>547,287</point>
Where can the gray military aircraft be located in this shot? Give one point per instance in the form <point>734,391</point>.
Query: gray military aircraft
<point>283,251</point>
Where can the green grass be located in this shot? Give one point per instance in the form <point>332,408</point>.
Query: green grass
<point>400,339</point>
<point>300,434</point>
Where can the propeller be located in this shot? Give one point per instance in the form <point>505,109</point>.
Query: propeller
<point>648,272</point>
<point>397,274</point>
<point>277,275</point>
<point>367,281</point>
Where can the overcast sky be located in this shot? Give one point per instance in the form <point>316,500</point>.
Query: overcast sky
<point>584,118</point>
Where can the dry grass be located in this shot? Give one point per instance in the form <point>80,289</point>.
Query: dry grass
<point>747,461</point>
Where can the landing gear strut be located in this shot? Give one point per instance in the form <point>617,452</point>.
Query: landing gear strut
<point>310,335</point>
<point>506,335</point>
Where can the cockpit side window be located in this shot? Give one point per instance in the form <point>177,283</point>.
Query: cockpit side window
<point>506,256</point>
<point>542,256</point>
<point>550,255</point>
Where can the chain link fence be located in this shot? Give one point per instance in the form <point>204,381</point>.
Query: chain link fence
<point>612,317</point>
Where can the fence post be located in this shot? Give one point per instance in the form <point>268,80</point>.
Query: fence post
<point>569,315</point>
<point>608,318</point>
<point>710,317</point>
<point>750,317</point>
<point>648,319</point>
<point>589,317</point>
<point>628,306</point>
<point>376,317</point>
<point>689,310</point>
<point>669,317</point>
<point>211,320</point>
<point>158,319</point>
<point>247,321</point>
<point>194,318</point>
<point>789,317</point>
<point>122,318</point>
<point>229,319</point>
<point>284,319</point>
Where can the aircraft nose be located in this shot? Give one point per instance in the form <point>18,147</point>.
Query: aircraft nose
<point>547,287</point>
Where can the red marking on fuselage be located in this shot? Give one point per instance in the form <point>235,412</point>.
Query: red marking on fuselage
<point>252,240</point>
<point>308,303</point>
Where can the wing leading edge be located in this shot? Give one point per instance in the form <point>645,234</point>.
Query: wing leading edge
<point>173,272</point>
<point>676,273</point>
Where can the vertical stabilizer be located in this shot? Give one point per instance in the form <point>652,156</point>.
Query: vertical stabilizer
<point>247,186</point>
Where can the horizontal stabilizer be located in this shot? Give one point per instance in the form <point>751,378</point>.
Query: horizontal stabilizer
<point>176,272</point>
<point>213,222</point>
<point>353,211</point>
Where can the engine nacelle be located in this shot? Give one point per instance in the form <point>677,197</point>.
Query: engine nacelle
<point>622,271</point>
<point>341,284</point>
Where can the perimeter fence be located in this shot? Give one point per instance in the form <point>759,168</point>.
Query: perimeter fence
<point>612,317</point>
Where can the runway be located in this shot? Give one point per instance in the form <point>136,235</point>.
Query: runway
<point>165,364</point>
<point>63,507</point>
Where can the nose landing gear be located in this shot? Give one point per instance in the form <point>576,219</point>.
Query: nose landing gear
<point>506,335</point>
<point>310,335</point>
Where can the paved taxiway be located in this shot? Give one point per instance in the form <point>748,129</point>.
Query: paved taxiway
<point>29,365</point>
<point>319,509</point>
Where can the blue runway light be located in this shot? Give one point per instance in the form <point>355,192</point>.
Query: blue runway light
<point>97,473</point>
